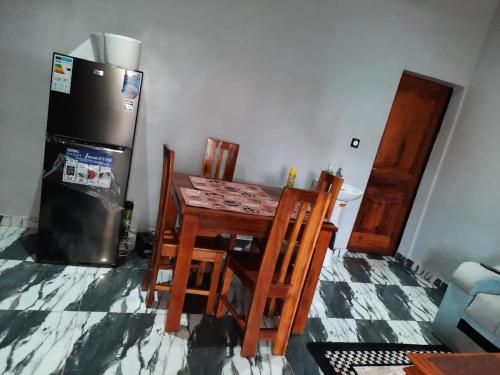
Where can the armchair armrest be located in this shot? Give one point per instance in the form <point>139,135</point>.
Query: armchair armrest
<point>490,285</point>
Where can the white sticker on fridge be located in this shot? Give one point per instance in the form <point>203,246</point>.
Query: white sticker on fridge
<point>62,69</point>
<point>87,167</point>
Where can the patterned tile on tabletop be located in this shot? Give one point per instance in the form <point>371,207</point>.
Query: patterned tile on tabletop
<point>33,286</point>
<point>372,302</point>
<point>35,342</point>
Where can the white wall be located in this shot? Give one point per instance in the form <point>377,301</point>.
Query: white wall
<point>292,81</point>
<point>461,222</point>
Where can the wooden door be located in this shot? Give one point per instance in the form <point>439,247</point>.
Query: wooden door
<point>414,121</point>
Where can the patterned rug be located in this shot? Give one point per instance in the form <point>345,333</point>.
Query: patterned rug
<point>366,359</point>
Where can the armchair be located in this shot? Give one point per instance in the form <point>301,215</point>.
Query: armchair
<point>468,319</point>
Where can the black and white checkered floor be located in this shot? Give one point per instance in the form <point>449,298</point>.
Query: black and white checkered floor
<point>84,320</point>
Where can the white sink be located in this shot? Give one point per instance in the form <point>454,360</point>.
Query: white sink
<point>349,193</point>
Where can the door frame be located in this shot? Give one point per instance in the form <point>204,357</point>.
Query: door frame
<point>432,170</point>
<point>444,133</point>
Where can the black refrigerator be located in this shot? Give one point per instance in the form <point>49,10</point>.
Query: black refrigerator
<point>88,149</point>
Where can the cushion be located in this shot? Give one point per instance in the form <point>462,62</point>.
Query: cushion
<point>470,273</point>
<point>485,310</point>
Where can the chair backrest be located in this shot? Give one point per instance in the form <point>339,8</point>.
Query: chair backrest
<point>163,221</point>
<point>293,208</point>
<point>215,152</point>
<point>332,184</point>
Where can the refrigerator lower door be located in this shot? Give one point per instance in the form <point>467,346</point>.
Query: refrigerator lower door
<point>83,192</point>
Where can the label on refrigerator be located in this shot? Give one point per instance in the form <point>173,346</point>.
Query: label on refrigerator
<point>90,168</point>
<point>128,105</point>
<point>131,84</point>
<point>62,68</point>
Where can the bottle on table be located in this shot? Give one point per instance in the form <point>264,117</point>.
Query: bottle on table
<point>291,177</point>
<point>330,168</point>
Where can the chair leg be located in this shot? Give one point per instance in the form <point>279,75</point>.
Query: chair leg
<point>146,279</point>
<point>252,325</point>
<point>153,278</point>
<point>254,247</point>
<point>200,273</point>
<point>232,242</point>
<point>228,277</point>
<point>214,282</point>
<point>285,326</point>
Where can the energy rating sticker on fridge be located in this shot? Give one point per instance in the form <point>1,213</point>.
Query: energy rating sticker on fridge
<point>87,168</point>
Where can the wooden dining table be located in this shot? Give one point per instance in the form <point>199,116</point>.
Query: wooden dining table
<point>200,221</point>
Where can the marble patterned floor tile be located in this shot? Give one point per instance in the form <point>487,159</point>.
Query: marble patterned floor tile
<point>367,270</point>
<point>421,306</point>
<point>115,290</point>
<point>108,343</point>
<point>348,301</point>
<point>353,331</point>
<point>371,271</point>
<point>374,331</point>
<point>119,290</point>
<point>215,345</point>
<point>35,342</point>
<point>10,245</point>
<point>8,235</point>
<point>372,302</point>
<point>33,286</point>
<point>427,332</point>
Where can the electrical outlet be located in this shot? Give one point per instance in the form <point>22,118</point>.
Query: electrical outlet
<point>355,142</point>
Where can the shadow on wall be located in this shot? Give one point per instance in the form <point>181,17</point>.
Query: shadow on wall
<point>35,206</point>
<point>139,190</point>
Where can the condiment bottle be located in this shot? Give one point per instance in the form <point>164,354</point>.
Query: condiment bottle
<point>291,177</point>
<point>330,169</point>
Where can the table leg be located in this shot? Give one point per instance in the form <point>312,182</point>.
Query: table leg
<point>310,285</point>
<point>181,273</point>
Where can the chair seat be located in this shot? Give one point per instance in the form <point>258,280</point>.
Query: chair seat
<point>204,250</point>
<point>246,266</point>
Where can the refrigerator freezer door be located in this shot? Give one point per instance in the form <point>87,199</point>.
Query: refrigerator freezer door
<point>101,105</point>
<point>83,192</point>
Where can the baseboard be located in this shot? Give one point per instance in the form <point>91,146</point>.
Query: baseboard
<point>421,271</point>
<point>18,221</point>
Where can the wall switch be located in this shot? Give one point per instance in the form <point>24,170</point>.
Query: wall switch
<point>355,142</point>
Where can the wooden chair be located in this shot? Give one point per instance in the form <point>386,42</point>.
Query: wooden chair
<point>166,244</point>
<point>215,151</point>
<point>326,182</point>
<point>271,275</point>
<point>332,184</point>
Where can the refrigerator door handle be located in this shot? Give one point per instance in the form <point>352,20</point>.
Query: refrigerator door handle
<point>76,144</point>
